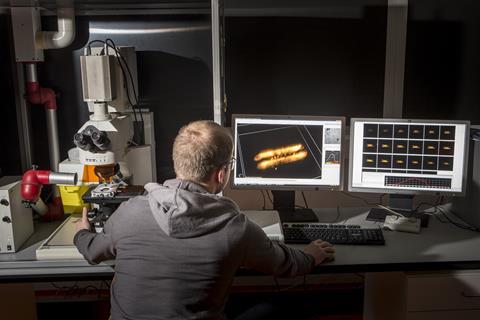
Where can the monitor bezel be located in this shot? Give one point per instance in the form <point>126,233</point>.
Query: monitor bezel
<point>409,192</point>
<point>340,187</point>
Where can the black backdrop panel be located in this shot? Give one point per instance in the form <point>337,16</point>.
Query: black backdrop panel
<point>311,66</point>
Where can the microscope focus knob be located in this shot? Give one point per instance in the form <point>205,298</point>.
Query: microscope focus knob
<point>6,219</point>
<point>92,213</point>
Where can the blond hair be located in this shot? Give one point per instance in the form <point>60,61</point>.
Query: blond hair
<point>199,148</point>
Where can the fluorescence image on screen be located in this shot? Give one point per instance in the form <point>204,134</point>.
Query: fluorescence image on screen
<point>279,151</point>
<point>408,148</point>
<point>408,155</point>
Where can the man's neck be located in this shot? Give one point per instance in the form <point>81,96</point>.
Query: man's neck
<point>209,186</point>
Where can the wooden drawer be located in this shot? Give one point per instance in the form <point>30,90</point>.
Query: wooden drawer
<point>449,291</point>
<point>445,315</point>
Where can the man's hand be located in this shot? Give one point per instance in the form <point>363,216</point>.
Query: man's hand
<point>83,224</point>
<point>320,250</point>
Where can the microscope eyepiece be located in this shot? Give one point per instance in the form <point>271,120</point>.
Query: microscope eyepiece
<point>83,141</point>
<point>100,139</point>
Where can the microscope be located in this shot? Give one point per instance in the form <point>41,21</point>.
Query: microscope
<point>110,161</point>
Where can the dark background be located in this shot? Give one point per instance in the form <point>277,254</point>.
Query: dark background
<point>328,60</point>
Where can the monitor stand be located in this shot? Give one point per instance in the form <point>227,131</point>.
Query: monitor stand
<point>284,203</point>
<point>401,203</point>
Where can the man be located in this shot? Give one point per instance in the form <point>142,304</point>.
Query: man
<point>178,248</point>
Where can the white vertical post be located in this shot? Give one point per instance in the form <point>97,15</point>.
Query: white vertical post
<point>217,33</point>
<point>395,58</point>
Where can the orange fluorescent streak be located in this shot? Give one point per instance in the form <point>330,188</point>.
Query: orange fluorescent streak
<point>278,152</point>
<point>273,162</point>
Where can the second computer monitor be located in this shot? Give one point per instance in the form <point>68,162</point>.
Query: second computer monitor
<point>288,152</point>
<point>408,156</point>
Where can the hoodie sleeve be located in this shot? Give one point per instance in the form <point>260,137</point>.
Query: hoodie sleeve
<point>97,247</point>
<point>274,258</point>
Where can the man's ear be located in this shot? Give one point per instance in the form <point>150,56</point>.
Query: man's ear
<point>220,175</point>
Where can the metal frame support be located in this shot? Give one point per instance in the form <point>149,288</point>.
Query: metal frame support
<point>23,118</point>
<point>395,58</point>
<point>219,99</point>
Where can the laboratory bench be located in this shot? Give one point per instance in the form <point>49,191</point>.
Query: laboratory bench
<point>442,260</point>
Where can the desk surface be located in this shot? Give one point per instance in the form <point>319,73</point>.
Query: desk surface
<point>438,247</point>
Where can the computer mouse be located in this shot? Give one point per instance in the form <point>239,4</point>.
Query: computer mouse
<point>396,223</point>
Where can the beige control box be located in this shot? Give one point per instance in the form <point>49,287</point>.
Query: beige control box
<point>16,223</point>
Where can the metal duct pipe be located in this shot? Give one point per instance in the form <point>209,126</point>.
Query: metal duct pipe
<point>63,178</point>
<point>31,72</point>
<point>53,141</point>
<point>65,34</point>
<point>45,97</point>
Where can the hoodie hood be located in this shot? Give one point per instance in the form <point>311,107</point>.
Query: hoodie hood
<point>184,209</point>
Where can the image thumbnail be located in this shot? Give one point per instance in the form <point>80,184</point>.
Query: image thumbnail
<point>279,151</point>
<point>333,135</point>
<point>332,157</point>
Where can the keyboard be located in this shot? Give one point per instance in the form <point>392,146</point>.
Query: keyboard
<point>333,233</point>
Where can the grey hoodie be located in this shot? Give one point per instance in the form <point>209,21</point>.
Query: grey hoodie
<point>176,252</point>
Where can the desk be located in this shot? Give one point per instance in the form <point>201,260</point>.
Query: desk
<point>24,267</point>
<point>438,247</point>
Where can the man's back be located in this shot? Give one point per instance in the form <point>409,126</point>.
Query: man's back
<point>177,251</point>
<point>156,273</point>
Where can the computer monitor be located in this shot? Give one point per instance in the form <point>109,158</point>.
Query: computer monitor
<point>288,153</point>
<point>407,157</point>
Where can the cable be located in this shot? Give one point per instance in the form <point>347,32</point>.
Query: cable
<point>381,198</point>
<point>129,74</point>
<point>437,216</point>
<point>439,200</point>
<point>117,55</point>
<point>120,58</point>
<point>390,210</point>
<point>457,224</point>
<point>305,200</point>
<point>269,198</point>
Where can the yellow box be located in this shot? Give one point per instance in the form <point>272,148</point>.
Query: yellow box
<point>72,198</point>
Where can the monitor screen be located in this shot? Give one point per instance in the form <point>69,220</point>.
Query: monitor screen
<point>408,156</point>
<point>288,152</point>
